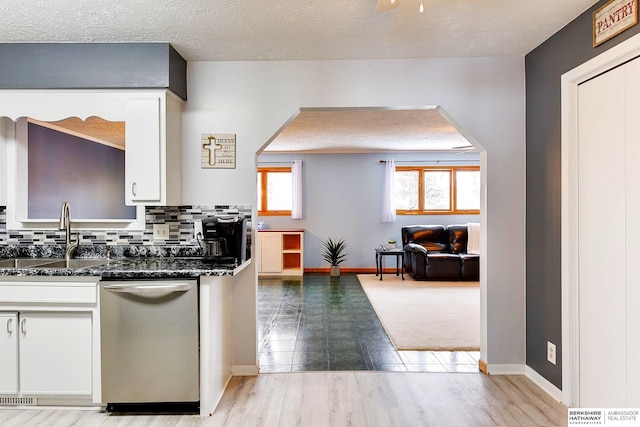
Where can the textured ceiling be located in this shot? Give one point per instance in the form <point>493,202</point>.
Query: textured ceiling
<point>370,130</point>
<point>296,29</point>
<point>204,30</point>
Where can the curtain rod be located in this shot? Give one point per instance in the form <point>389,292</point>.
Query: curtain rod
<point>434,161</point>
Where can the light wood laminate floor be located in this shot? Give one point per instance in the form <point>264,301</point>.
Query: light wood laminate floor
<point>344,399</point>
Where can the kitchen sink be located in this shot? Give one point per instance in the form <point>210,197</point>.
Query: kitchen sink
<point>21,262</point>
<point>73,263</point>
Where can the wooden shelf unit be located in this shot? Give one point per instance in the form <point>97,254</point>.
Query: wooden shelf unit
<point>280,252</point>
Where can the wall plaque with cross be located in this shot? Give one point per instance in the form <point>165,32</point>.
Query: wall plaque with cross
<point>218,151</point>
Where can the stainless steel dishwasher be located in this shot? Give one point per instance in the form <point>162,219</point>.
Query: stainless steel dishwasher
<point>150,344</point>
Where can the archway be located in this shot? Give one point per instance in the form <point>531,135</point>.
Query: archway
<point>441,155</point>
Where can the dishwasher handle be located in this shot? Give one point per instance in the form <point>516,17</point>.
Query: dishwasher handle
<point>149,290</point>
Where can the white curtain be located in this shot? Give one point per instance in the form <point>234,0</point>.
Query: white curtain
<point>296,198</point>
<point>388,204</point>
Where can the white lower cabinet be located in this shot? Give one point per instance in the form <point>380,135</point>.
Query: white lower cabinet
<point>55,353</point>
<point>49,340</point>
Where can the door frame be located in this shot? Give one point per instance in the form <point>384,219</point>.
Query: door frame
<point>570,81</point>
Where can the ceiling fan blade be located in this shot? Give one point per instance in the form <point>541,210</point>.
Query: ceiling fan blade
<point>386,5</point>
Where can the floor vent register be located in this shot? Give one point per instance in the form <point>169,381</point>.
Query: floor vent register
<point>17,401</point>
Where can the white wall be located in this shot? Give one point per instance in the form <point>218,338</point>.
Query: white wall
<point>485,96</point>
<point>342,198</point>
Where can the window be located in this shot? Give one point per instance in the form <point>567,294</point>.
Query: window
<point>437,190</point>
<point>274,191</point>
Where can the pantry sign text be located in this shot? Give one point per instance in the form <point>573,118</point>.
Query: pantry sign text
<point>613,18</point>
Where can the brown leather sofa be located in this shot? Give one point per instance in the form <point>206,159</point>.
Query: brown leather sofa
<point>437,252</point>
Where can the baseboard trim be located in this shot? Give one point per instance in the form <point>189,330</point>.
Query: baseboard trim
<point>498,369</point>
<point>280,276</point>
<point>482,365</point>
<point>349,270</point>
<point>244,370</point>
<point>543,383</point>
<point>219,398</point>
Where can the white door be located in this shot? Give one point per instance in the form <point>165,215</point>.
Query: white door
<point>142,147</point>
<point>608,202</point>
<point>55,353</point>
<point>632,249</point>
<point>9,352</point>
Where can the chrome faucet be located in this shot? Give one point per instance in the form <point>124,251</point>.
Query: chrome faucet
<point>65,224</point>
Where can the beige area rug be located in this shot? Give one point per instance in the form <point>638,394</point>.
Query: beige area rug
<point>422,315</point>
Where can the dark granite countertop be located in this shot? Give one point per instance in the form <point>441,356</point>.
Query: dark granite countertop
<point>136,268</point>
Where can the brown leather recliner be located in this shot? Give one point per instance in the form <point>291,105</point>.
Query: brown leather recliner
<point>436,252</point>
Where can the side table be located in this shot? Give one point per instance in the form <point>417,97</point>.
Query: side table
<point>398,253</point>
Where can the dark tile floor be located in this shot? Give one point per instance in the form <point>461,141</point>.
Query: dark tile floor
<point>322,323</point>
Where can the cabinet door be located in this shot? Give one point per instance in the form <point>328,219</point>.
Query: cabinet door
<point>271,252</point>
<point>9,352</point>
<point>143,151</point>
<point>55,353</point>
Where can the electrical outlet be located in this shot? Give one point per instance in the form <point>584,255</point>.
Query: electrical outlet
<point>161,231</point>
<point>551,352</point>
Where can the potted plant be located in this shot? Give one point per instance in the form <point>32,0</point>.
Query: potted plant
<point>392,244</point>
<point>334,255</point>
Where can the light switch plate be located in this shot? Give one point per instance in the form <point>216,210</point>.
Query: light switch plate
<point>161,231</point>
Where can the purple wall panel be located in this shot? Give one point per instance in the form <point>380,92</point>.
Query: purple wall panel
<point>88,175</point>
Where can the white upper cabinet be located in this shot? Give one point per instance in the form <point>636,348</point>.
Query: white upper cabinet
<point>153,150</point>
<point>143,151</point>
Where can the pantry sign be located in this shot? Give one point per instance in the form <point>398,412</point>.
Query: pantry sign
<point>613,18</point>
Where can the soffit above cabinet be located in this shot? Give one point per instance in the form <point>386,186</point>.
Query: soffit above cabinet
<point>93,66</point>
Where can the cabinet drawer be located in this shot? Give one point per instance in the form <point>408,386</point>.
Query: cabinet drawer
<point>48,292</point>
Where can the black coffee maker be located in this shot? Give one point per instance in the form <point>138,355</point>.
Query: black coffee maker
<point>225,239</point>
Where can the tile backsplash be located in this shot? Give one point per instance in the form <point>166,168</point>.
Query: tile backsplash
<point>179,218</point>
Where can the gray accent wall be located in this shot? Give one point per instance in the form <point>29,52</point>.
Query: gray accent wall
<point>92,66</point>
<point>565,50</point>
